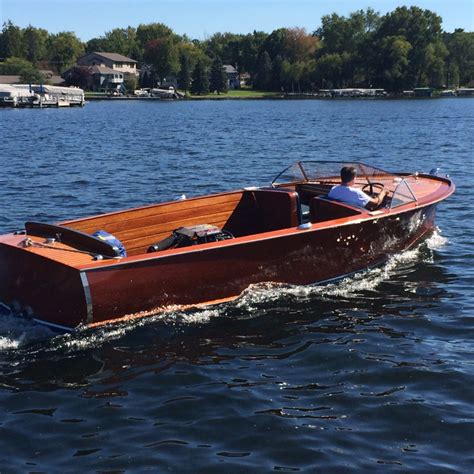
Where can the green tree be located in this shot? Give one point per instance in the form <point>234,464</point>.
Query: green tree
<point>96,45</point>
<point>149,32</point>
<point>352,39</point>
<point>460,57</point>
<point>435,69</point>
<point>328,70</point>
<point>393,63</point>
<point>130,82</point>
<point>162,55</point>
<point>35,40</point>
<point>289,51</point>
<point>184,77</point>
<point>251,48</point>
<point>11,41</point>
<point>21,67</point>
<point>218,79</point>
<point>14,66</point>
<point>193,52</point>
<point>200,83</point>
<point>119,40</point>
<point>31,76</point>
<point>225,45</point>
<point>275,44</point>
<point>420,28</point>
<point>291,74</point>
<point>64,49</point>
<point>264,71</point>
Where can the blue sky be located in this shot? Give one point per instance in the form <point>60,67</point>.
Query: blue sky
<point>201,18</point>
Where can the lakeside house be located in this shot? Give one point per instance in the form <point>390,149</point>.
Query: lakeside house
<point>114,61</point>
<point>107,71</point>
<point>233,79</point>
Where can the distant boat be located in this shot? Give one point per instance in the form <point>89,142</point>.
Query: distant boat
<point>208,249</point>
<point>448,93</point>
<point>169,93</point>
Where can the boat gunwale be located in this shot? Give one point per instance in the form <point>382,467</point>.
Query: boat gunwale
<point>362,216</point>
<point>260,237</point>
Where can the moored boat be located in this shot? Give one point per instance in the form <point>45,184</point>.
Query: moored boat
<point>208,249</point>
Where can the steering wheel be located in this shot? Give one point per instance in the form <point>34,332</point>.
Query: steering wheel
<point>369,188</point>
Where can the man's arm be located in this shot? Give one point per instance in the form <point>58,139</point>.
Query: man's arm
<point>378,200</point>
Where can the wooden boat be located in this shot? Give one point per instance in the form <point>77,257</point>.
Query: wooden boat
<point>209,249</point>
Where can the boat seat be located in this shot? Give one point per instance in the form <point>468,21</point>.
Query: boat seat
<point>307,191</point>
<point>276,208</point>
<point>323,209</point>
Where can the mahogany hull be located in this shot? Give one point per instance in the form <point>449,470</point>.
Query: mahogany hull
<point>207,275</point>
<point>65,284</point>
<point>36,286</point>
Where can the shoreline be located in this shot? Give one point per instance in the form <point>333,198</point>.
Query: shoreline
<point>269,97</point>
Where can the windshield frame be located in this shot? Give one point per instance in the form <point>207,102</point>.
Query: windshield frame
<point>369,172</point>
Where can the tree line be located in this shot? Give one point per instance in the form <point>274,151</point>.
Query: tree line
<point>403,49</point>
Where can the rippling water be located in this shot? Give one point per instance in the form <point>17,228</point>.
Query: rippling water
<point>373,373</point>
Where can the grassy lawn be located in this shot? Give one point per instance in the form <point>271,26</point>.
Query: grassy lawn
<point>237,94</point>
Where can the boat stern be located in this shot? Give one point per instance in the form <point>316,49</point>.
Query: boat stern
<point>33,285</point>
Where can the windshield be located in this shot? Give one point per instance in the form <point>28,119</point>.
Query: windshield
<point>329,172</point>
<point>403,193</point>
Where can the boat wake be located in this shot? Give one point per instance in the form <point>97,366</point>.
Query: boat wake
<point>21,334</point>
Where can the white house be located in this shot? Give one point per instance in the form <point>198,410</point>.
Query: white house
<point>114,61</point>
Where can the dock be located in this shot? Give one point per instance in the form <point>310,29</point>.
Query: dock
<point>40,96</point>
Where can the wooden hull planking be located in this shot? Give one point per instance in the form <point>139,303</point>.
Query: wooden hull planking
<point>64,286</point>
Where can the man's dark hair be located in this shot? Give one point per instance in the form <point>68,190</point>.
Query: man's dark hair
<point>348,173</point>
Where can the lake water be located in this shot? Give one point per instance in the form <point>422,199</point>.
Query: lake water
<point>374,373</point>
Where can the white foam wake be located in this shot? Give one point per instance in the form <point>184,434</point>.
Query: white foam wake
<point>17,332</point>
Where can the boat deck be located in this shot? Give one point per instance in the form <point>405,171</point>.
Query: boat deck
<point>245,213</point>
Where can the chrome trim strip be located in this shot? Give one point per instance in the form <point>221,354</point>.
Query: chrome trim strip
<point>52,325</point>
<point>88,297</point>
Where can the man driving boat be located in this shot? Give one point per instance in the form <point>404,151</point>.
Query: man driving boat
<point>348,194</point>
